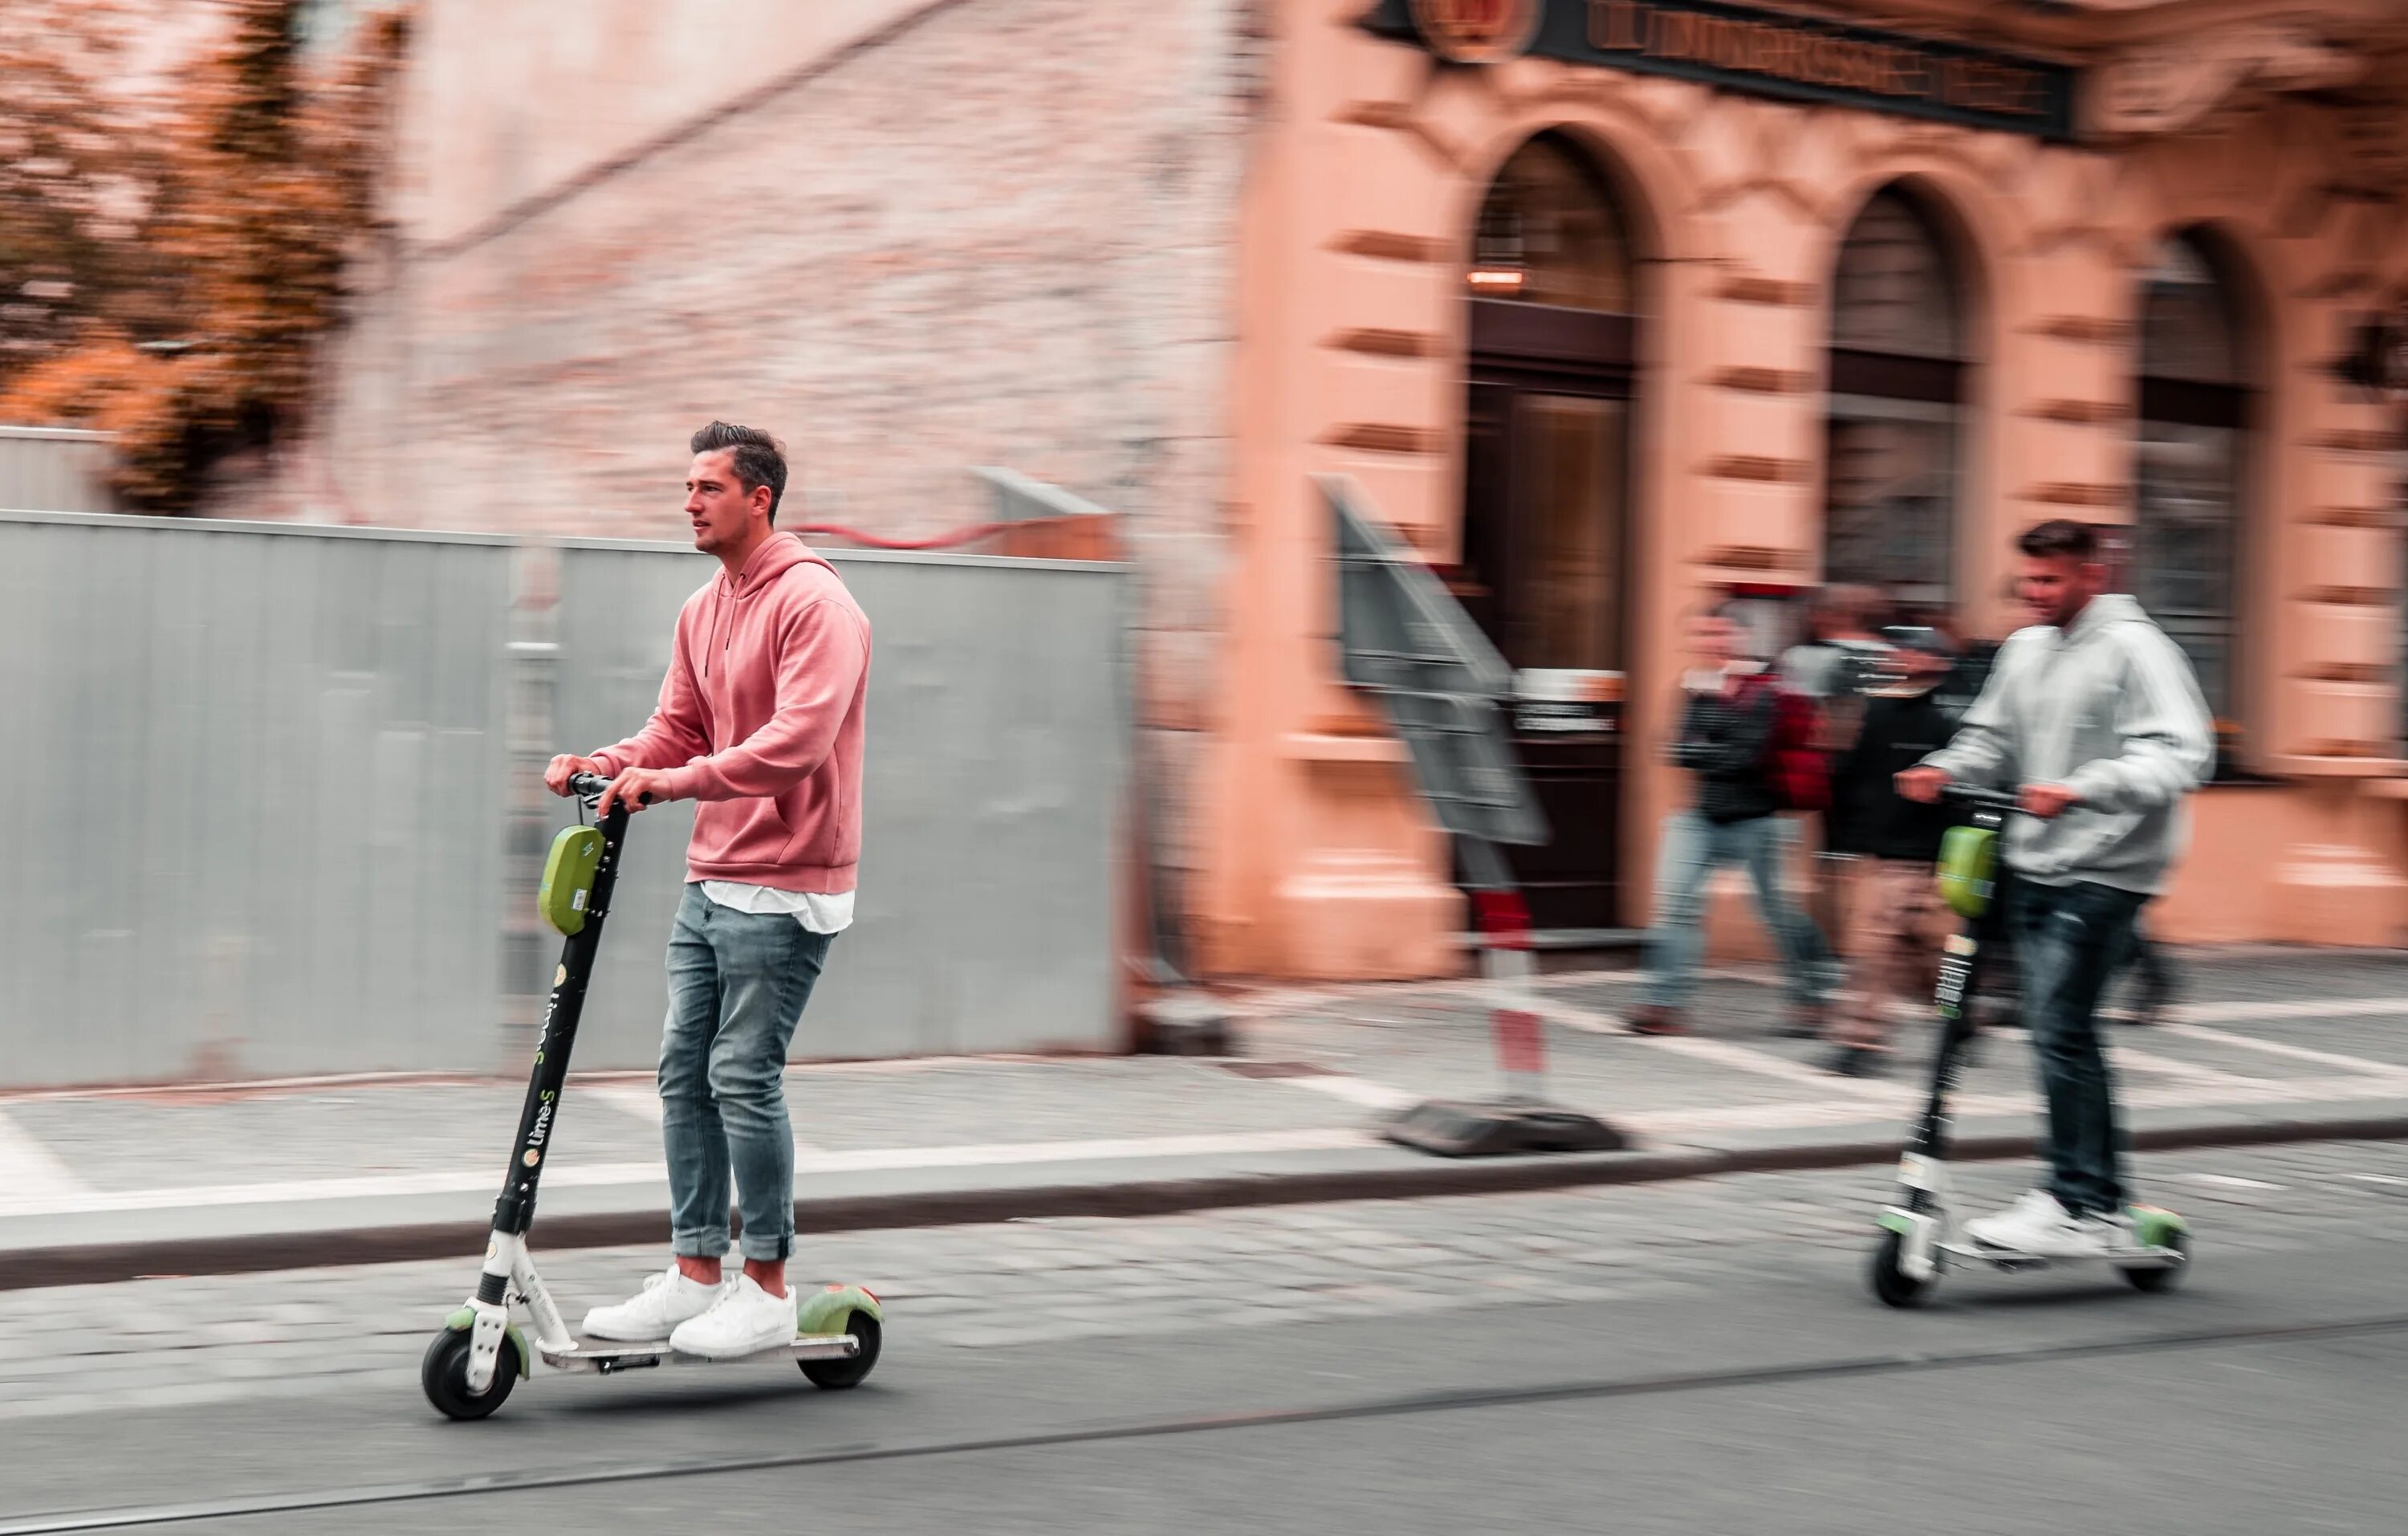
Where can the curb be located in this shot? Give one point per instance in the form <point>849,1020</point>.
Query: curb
<point>93,1264</point>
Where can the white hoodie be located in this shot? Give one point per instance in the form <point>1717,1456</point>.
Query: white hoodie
<point>2108,708</point>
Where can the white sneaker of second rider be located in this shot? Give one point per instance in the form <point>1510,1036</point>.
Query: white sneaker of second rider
<point>2040,1226</point>
<point>667,1300</point>
<point>744,1320</point>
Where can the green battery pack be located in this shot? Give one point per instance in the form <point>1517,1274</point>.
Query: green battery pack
<point>1968,868</point>
<point>569,877</point>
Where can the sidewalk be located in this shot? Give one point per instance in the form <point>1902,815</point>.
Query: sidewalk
<point>2269,1045</point>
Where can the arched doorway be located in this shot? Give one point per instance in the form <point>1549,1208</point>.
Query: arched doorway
<point>2187,540</point>
<point>1545,503</point>
<point>1898,392</point>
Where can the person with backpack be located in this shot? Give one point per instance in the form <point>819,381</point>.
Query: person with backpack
<point>1829,674</point>
<point>1731,713</point>
<point>1902,921</point>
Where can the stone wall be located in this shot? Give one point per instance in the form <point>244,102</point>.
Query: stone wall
<point>988,232</point>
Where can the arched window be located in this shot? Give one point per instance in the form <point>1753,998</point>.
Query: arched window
<point>2194,409</point>
<point>1548,234</point>
<point>1897,380</point>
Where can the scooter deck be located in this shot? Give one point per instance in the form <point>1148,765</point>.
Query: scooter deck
<point>2137,1258</point>
<point>610,1355</point>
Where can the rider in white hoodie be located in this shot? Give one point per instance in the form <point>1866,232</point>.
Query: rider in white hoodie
<point>2095,713</point>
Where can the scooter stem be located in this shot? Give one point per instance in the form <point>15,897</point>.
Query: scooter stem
<point>514,1211</point>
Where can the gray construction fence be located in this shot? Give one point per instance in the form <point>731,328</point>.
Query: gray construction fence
<point>273,810</point>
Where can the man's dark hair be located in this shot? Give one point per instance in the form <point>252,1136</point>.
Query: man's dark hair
<point>759,459</point>
<point>2059,536</point>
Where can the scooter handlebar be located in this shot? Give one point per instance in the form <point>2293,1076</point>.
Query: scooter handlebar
<point>588,786</point>
<point>1981,800</point>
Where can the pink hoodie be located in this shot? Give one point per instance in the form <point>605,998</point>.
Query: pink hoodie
<point>761,720</point>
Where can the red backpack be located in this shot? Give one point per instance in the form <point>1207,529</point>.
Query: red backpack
<point>1794,764</point>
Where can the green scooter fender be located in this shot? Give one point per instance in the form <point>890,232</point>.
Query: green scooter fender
<point>826,1311</point>
<point>2157,1228</point>
<point>465,1318</point>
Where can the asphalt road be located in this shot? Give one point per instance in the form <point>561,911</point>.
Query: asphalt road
<point>1701,1358</point>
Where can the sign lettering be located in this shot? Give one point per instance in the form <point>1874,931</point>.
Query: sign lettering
<point>1743,49</point>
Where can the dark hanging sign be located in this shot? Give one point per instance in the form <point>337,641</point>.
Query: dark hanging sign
<point>1745,48</point>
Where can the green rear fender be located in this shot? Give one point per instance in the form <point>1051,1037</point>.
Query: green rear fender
<point>465,1318</point>
<point>824,1310</point>
<point>2157,1228</point>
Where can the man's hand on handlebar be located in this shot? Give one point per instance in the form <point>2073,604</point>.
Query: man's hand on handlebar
<point>634,789</point>
<point>1922,784</point>
<point>563,768</point>
<point>2049,800</point>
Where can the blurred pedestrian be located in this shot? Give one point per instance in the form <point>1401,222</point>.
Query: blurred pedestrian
<point>1900,920</point>
<point>1729,710</point>
<point>1842,645</point>
<point>760,719</point>
<point>1830,669</point>
<point>2092,714</point>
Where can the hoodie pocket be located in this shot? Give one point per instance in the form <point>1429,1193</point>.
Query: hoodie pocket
<point>742,831</point>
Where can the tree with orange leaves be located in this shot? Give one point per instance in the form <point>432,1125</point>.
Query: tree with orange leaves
<point>168,265</point>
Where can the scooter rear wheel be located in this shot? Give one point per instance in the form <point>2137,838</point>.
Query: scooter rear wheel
<point>1891,1282</point>
<point>836,1375</point>
<point>2154,1280</point>
<point>444,1374</point>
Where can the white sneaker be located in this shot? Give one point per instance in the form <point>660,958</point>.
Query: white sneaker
<point>744,1320</point>
<point>2037,1225</point>
<point>666,1299</point>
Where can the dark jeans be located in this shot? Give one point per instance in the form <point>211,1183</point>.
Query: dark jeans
<point>1997,977</point>
<point>2068,941</point>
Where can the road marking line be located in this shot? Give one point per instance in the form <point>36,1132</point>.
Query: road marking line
<point>1792,1116</point>
<point>2126,1057</point>
<point>2332,1008</point>
<point>31,1171</point>
<point>642,1102</point>
<point>2230,1181</point>
<point>2380,1178</point>
<point>2210,1012</point>
<point>2283,1048</point>
<point>1723,1053</point>
<point>1355,1090</point>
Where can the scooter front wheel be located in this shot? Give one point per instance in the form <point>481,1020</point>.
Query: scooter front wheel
<point>1891,1282</point>
<point>444,1374</point>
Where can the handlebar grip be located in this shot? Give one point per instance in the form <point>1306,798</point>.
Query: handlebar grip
<point>588,786</point>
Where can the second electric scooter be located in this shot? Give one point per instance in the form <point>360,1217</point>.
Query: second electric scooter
<point>1921,1235</point>
<point>480,1353</point>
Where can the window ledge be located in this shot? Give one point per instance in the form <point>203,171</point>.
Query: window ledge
<point>2249,780</point>
<point>2343,768</point>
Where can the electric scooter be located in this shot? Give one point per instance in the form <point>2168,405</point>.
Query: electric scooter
<point>480,1353</point>
<point>1921,1235</point>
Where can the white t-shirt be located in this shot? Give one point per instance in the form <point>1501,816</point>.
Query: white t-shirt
<point>816,912</point>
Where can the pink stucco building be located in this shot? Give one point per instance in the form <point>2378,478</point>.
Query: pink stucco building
<point>1607,306</point>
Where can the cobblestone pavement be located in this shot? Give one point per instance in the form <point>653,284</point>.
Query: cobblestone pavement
<point>171,1341</point>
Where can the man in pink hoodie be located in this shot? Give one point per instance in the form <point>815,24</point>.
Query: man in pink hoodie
<point>760,720</point>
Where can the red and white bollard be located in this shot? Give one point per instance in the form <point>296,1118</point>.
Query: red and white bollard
<point>1521,1120</point>
<point>1508,965</point>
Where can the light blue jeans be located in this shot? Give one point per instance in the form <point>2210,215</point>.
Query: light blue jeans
<point>1693,849</point>
<point>737,983</point>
